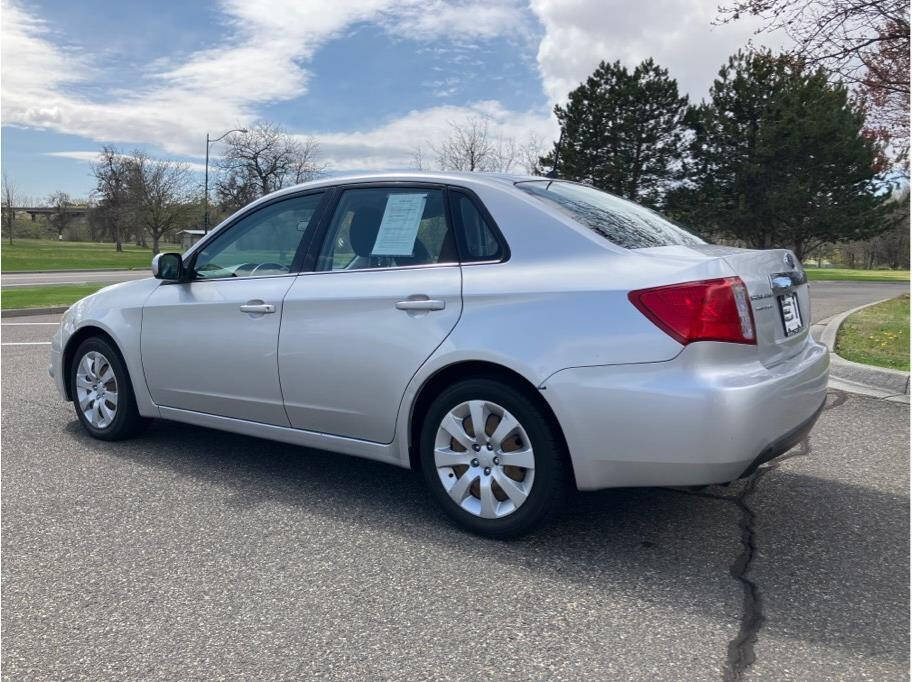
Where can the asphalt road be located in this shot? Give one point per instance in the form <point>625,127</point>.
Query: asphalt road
<point>31,279</point>
<point>830,298</point>
<point>190,554</point>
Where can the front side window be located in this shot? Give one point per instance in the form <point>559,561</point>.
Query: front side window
<point>620,221</point>
<point>386,227</point>
<point>261,243</point>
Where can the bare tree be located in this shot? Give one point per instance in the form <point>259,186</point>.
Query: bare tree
<point>472,146</point>
<point>112,185</point>
<point>418,160</point>
<point>10,197</point>
<point>839,35</point>
<point>885,96</point>
<point>160,193</point>
<point>468,147</point>
<point>62,215</point>
<point>530,154</point>
<point>263,160</point>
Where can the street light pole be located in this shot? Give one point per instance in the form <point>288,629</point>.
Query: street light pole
<point>206,191</point>
<point>206,181</point>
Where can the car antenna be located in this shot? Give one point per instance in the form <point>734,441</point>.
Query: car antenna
<point>553,172</point>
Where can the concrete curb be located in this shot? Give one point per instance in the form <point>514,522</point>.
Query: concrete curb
<point>878,382</point>
<point>23,312</point>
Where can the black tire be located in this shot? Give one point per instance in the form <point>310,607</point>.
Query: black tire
<point>551,478</point>
<point>127,421</point>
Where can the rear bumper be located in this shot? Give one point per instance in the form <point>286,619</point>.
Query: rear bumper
<point>710,415</point>
<point>784,443</point>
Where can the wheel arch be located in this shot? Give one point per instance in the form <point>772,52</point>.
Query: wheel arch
<point>69,351</point>
<point>466,369</point>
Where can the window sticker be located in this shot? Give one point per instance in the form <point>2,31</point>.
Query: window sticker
<point>399,226</point>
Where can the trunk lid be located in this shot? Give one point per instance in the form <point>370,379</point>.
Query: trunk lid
<point>778,291</point>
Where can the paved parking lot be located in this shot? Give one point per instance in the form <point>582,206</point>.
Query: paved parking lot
<point>189,554</point>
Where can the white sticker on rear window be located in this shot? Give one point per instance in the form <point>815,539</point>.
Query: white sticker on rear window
<point>399,226</point>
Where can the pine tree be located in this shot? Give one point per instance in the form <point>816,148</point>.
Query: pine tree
<point>778,157</point>
<point>622,131</point>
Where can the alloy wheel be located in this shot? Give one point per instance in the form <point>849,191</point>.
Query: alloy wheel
<point>484,459</point>
<point>96,389</point>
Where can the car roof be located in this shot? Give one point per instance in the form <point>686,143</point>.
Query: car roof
<point>459,177</point>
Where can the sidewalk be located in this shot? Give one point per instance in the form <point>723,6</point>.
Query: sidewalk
<point>854,377</point>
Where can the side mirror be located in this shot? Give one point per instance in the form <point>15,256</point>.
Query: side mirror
<point>169,266</point>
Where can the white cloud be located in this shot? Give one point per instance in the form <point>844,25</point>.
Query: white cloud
<point>92,156</point>
<point>260,60</point>
<point>471,19</point>
<point>678,33</point>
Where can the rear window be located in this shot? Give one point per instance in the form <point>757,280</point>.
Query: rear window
<point>620,221</point>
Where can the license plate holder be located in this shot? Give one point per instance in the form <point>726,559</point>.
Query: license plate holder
<point>790,313</point>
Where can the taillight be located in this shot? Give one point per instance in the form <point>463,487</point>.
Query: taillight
<point>709,310</point>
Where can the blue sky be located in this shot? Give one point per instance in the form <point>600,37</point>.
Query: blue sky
<point>369,79</point>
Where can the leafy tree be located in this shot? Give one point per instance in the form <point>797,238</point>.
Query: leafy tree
<point>61,217</point>
<point>622,131</point>
<point>778,157</point>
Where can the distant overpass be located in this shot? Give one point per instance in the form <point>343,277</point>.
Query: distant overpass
<point>75,211</point>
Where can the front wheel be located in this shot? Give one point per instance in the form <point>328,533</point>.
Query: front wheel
<point>102,392</point>
<point>492,459</point>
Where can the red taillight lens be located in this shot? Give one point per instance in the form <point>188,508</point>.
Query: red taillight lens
<point>710,310</point>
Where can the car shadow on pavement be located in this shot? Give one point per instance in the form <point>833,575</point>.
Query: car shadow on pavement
<point>846,546</point>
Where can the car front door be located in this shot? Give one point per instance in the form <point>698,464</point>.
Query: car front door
<point>384,294</point>
<point>209,344</point>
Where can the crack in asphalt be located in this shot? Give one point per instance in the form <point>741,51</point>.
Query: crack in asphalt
<point>741,649</point>
<point>741,654</point>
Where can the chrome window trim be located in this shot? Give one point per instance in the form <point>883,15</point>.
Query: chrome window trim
<point>454,264</point>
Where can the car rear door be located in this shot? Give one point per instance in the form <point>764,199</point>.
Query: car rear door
<point>384,293</point>
<point>209,344</point>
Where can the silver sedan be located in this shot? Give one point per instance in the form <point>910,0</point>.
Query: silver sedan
<point>511,337</point>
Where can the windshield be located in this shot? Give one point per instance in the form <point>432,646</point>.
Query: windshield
<point>620,221</point>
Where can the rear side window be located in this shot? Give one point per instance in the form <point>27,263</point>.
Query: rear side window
<point>385,228</point>
<point>479,240</point>
<point>620,221</point>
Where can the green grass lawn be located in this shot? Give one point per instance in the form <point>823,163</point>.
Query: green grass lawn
<point>878,335</point>
<point>42,297</point>
<point>45,254</point>
<point>857,275</point>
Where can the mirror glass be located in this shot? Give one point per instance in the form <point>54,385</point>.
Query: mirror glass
<point>167,266</point>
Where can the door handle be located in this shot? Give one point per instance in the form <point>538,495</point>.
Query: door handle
<point>421,304</point>
<point>257,307</point>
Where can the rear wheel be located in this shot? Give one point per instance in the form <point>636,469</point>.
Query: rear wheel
<point>102,392</point>
<point>491,458</point>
